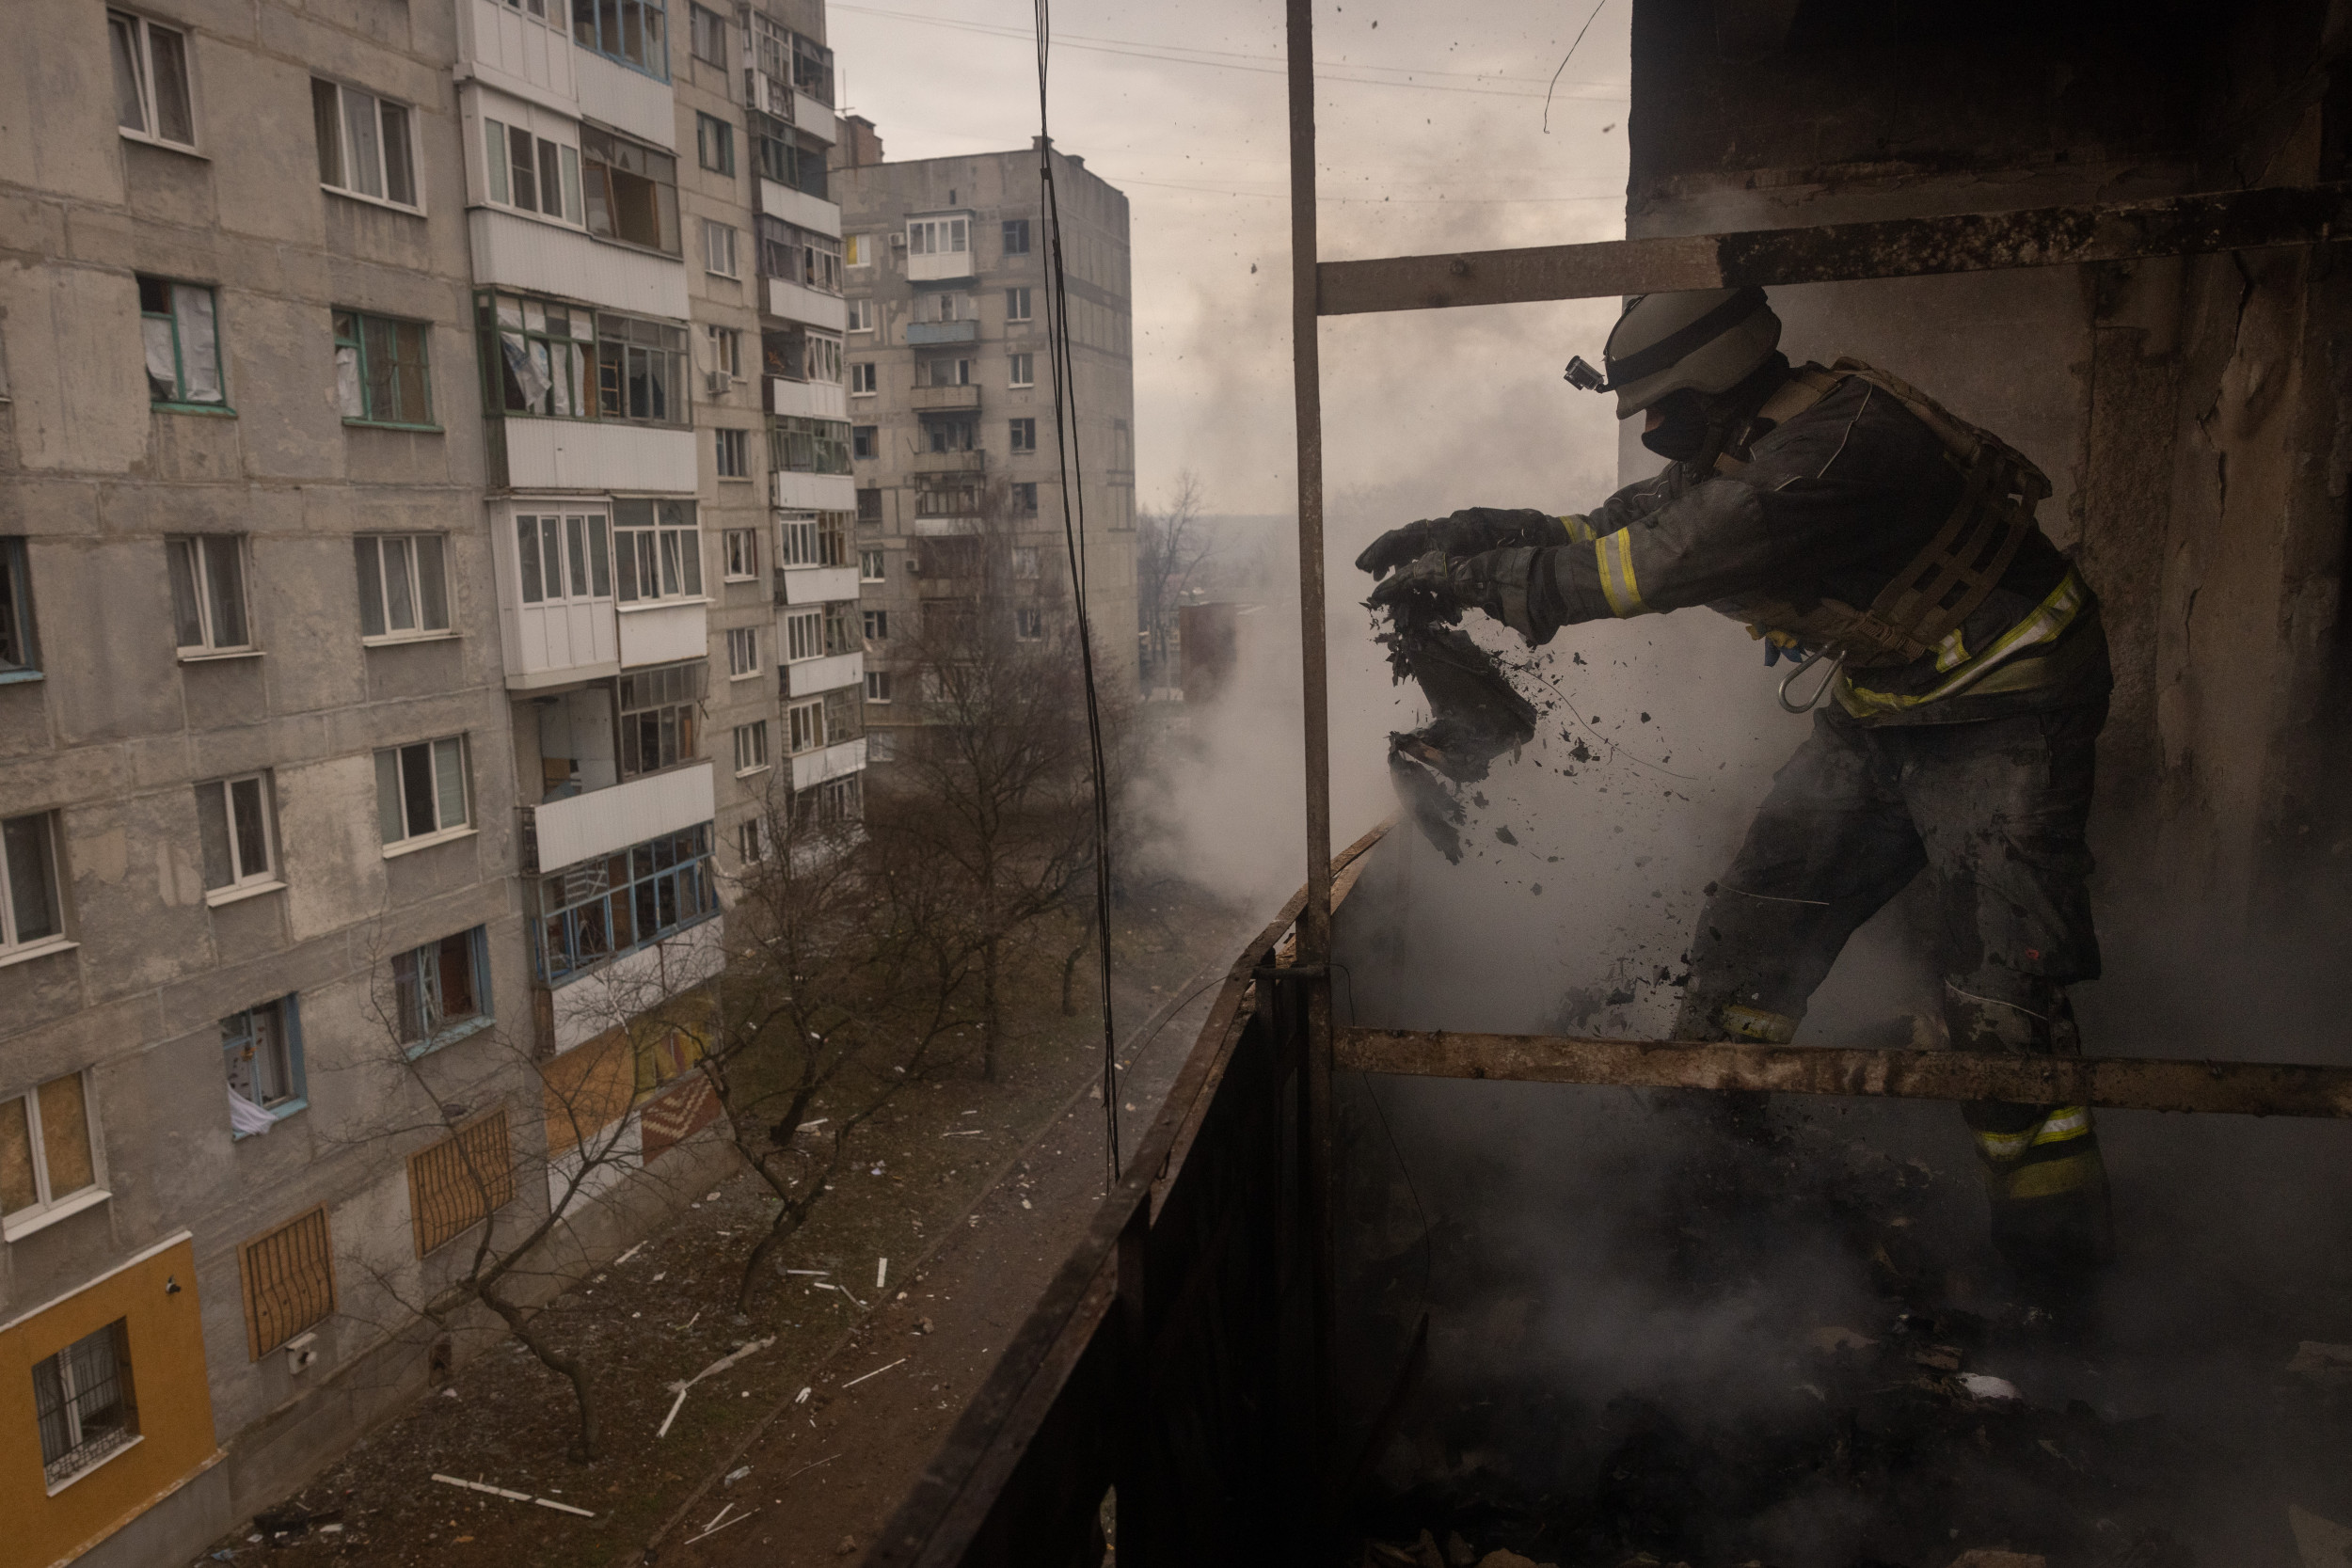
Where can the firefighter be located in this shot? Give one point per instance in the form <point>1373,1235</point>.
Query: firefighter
<point>1890,550</point>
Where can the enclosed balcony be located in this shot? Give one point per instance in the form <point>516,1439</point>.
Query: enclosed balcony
<point>556,601</point>
<point>931,334</point>
<point>929,399</point>
<point>938,246</point>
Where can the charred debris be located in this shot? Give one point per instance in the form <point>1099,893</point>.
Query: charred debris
<point>1475,716</point>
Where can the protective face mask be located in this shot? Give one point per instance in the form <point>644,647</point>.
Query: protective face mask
<point>1681,430</point>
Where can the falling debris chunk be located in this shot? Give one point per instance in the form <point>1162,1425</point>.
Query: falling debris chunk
<point>1477,716</point>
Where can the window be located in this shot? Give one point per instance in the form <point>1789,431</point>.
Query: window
<point>863,440</point>
<point>404,585</point>
<point>806,446</point>
<point>869,562</point>
<point>857,250</point>
<point>1016,305</point>
<point>48,1155</point>
<point>20,656</point>
<point>365,146</point>
<point>455,1184</point>
<point>1024,435</point>
<point>82,1399</point>
<point>877,683</point>
<point>947,372</point>
<point>714,144</point>
<point>602,908</point>
<point>152,100</point>
<point>1025,496</point>
<point>814,539</point>
<point>839,638</point>
<point>381,375</point>
<point>741,546</point>
<point>289,1278</point>
<point>630,190</point>
<point>808,721</point>
<point>734,453</point>
<point>1023,373</point>
<point>421,791</point>
<point>563,556</point>
<point>726,349</point>
<point>633,32</point>
<point>812,69</point>
<point>440,991</point>
<point>803,635</point>
<point>799,255</point>
<point>952,434</point>
<point>881,746</point>
<point>869,506</point>
<point>181,338</point>
<point>767,74</point>
<point>540,356</point>
<point>31,911</point>
<point>1016,236</point>
<point>834,801</point>
<point>751,840</point>
<point>719,248</point>
<point>743,653</point>
<point>1026,561</point>
<point>843,714</point>
<point>949,307</point>
<point>533,173</point>
<point>260,1049</point>
<point>861,315</point>
<point>861,380</point>
<point>706,36</point>
<point>641,371</point>
<point>232,821</point>
<point>208,594</point>
<point>661,716</point>
<point>799,353</point>
<point>1028,625</point>
<point>750,747</point>
<point>938,236</point>
<point>659,549</point>
<point>877,624</point>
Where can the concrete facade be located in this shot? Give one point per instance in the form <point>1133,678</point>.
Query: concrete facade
<point>218,645</point>
<point>948,359</point>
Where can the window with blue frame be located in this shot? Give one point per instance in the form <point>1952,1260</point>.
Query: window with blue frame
<point>441,991</point>
<point>602,908</point>
<point>261,1050</point>
<point>634,32</point>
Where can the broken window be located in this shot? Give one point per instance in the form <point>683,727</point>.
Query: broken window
<point>641,371</point>
<point>181,333</point>
<point>421,791</point>
<point>150,69</point>
<point>262,1054</point>
<point>234,833</point>
<point>535,354</point>
<point>806,446</point>
<point>440,990</point>
<point>20,658</point>
<point>208,601</point>
<point>603,908</point>
<point>366,144</point>
<point>634,32</point>
<point>382,374</point>
<point>536,174</point>
<point>629,190</point>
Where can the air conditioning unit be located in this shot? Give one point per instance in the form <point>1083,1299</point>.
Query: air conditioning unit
<point>717,383</point>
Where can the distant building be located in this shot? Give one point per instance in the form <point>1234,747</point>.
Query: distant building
<point>951,392</point>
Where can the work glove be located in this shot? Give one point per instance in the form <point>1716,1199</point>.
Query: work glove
<point>1469,531</point>
<point>1442,587</point>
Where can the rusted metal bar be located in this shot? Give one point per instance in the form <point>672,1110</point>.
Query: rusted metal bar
<point>1318,1174</point>
<point>2123,1083</point>
<point>1843,253</point>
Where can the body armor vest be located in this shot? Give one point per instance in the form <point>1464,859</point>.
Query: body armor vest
<point>1935,592</point>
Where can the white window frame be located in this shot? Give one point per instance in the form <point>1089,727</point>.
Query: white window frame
<point>241,884</point>
<point>739,442</point>
<point>143,51</point>
<point>498,165</point>
<point>345,92</point>
<point>14,836</point>
<point>857,250</point>
<point>1018,305</point>
<point>445,756</point>
<point>726,349</point>
<point>871,565</point>
<point>803,636</point>
<point>861,316</point>
<point>409,550</point>
<point>201,566</point>
<point>740,548</point>
<point>878,686</point>
<point>592,556</point>
<point>949,236</point>
<point>743,653</point>
<point>751,840</point>
<point>674,549</point>
<point>720,250</point>
<point>862,379</point>
<point>806,722</point>
<point>751,748</point>
<point>1021,369</point>
<point>875,625</point>
<point>49,1207</point>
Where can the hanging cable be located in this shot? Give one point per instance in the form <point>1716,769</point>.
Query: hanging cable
<point>1073,537</point>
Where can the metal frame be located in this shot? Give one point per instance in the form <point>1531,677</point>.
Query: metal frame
<point>1174,1355</point>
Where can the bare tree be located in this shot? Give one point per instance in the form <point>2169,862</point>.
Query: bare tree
<point>1172,545</point>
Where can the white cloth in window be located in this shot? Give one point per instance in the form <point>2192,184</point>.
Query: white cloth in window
<point>244,1116</point>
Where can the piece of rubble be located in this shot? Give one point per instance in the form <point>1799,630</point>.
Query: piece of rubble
<point>1510,1560</point>
<point>2320,1543</point>
<point>1943,1359</point>
<point>1980,1386</point>
<point>849,1544</point>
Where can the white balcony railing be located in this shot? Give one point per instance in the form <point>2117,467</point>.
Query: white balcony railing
<point>805,585</point>
<point>813,399</point>
<point>830,673</point>
<point>523,253</point>
<point>605,821</point>
<point>599,455</point>
<point>798,302</point>
<point>780,201</point>
<point>811,769</point>
<point>797,492</point>
<point>664,632</point>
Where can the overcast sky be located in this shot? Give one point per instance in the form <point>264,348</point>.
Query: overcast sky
<point>1432,138</point>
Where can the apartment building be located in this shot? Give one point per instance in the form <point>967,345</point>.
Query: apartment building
<point>385,451</point>
<point>950,394</point>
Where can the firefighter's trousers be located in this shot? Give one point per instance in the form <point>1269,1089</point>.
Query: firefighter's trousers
<point>1993,811</point>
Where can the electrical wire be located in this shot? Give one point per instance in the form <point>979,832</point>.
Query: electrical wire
<point>1072,469</point>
